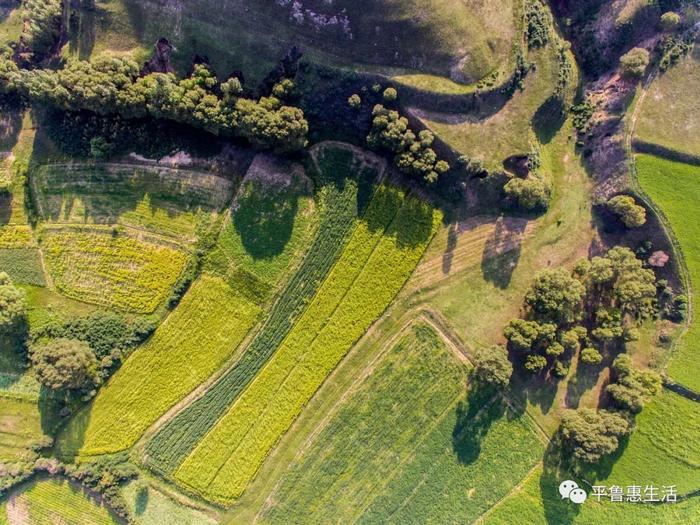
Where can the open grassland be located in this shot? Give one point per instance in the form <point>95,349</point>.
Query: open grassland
<point>372,269</point>
<point>508,128</point>
<point>161,200</point>
<point>195,339</point>
<point>272,217</point>
<point>54,502</point>
<point>669,115</point>
<point>538,502</point>
<point>675,188</point>
<point>155,508</point>
<point>401,436</point>
<point>20,427</point>
<point>467,39</point>
<point>343,183</point>
<point>113,269</point>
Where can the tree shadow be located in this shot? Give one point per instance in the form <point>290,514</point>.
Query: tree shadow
<point>474,418</point>
<point>264,219</point>
<point>82,29</point>
<point>586,378</point>
<point>449,249</point>
<point>502,251</point>
<point>10,121</point>
<point>557,510</point>
<point>141,501</point>
<point>548,119</point>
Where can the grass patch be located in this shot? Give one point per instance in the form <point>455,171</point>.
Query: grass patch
<point>20,427</point>
<point>669,115</point>
<point>110,268</point>
<point>53,501</point>
<point>166,201</point>
<point>195,339</point>
<point>675,187</point>
<point>339,201</point>
<point>372,269</point>
<point>155,508</point>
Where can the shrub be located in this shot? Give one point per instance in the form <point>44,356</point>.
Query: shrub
<point>65,364</point>
<point>492,366</point>
<point>634,63</point>
<point>528,194</point>
<point>670,21</point>
<point>589,435</point>
<point>630,213</point>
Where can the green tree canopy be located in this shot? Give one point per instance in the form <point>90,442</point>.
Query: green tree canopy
<point>632,387</point>
<point>13,305</point>
<point>493,367</point>
<point>65,364</point>
<point>589,434</point>
<point>630,213</point>
<point>556,296</point>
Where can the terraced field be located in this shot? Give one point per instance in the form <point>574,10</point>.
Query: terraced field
<point>373,267</point>
<point>343,182</point>
<point>53,502</point>
<point>210,322</point>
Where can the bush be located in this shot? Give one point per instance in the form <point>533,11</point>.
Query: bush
<point>634,63</point>
<point>528,194</point>
<point>65,364</point>
<point>670,21</point>
<point>629,212</point>
<point>493,367</point>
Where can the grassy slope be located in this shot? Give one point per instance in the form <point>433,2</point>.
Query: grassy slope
<point>155,508</point>
<point>393,448</point>
<point>53,502</point>
<point>675,187</point>
<point>253,36</point>
<point>209,323</point>
<point>669,116</point>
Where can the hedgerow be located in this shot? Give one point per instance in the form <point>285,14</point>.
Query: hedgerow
<point>109,268</point>
<point>338,208</point>
<point>200,334</point>
<point>372,269</point>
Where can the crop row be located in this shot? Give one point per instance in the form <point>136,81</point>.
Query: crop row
<point>112,270</point>
<point>338,209</point>
<point>195,339</point>
<point>371,271</point>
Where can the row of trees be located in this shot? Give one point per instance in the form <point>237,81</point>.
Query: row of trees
<point>111,85</point>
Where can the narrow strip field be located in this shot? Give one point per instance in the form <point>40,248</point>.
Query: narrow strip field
<point>53,502</point>
<point>200,334</point>
<point>675,187</point>
<point>112,269</point>
<point>339,202</point>
<point>372,269</point>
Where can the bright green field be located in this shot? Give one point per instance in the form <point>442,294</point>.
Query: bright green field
<point>669,116</point>
<point>403,447</point>
<point>125,271</point>
<point>195,339</point>
<point>372,269</point>
<point>53,502</point>
<point>675,187</point>
<point>538,503</point>
<point>20,427</point>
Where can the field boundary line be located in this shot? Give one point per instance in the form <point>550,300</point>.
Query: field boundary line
<point>512,492</point>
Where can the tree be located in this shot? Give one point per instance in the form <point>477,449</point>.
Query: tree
<point>591,356</point>
<point>13,306</point>
<point>65,364</point>
<point>670,21</point>
<point>632,387</point>
<point>390,94</point>
<point>354,101</point>
<point>42,26</point>
<point>535,363</point>
<point>522,334</point>
<point>528,194</point>
<point>630,213</point>
<point>589,434</point>
<point>634,63</point>
<point>555,296</point>
<point>492,366</point>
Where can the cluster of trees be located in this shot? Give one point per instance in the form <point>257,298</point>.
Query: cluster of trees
<point>537,24</point>
<point>413,154</point>
<point>591,309</point>
<point>43,29</point>
<point>112,85</point>
<point>628,211</point>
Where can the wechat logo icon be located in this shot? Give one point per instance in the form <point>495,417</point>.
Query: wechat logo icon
<point>571,491</point>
